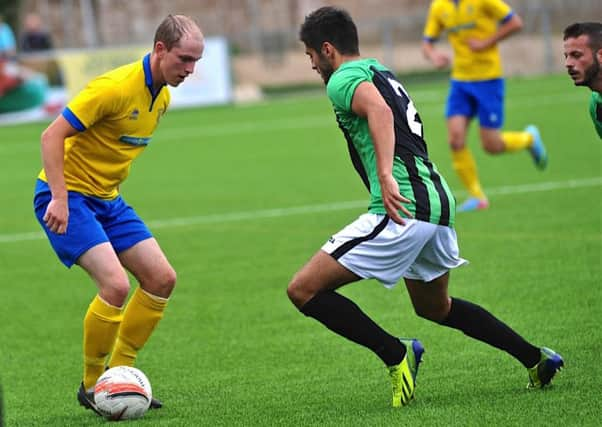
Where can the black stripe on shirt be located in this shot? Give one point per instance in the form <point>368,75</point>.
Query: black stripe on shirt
<point>443,196</point>
<point>347,246</point>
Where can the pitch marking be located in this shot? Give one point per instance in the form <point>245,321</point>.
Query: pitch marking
<point>328,207</point>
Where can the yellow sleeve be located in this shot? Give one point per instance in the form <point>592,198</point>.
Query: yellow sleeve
<point>432,27</point>
<point>98,99</point>
<point>497,9</point>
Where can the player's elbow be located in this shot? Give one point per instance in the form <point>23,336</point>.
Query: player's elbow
<point>426,48</point>
<point>47,141</point>
<point>516,23</point>
<point>46,136</point>
<point>49,136</point>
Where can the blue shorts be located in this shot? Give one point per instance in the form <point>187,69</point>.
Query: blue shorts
<point>485,98</point>
<point>92,221</point>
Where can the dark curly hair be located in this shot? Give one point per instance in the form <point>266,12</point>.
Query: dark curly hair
<point>333,25</point>
<point>591,29</point>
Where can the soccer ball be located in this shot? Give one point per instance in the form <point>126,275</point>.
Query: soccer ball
<point>122,393</point>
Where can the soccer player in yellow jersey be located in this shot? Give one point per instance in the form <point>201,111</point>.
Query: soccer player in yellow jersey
<point>87,152</point>
<point>474,29</point>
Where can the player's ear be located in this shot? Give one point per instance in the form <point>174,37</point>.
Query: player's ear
<point>160,48</point>
<point>599,55</point>
<point>327,50</point>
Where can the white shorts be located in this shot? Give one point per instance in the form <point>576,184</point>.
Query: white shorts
<point>374,247</point>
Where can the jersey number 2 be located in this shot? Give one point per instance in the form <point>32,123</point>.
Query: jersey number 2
<point>411,113</point>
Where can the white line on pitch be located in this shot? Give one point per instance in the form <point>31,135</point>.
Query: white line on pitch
<point>328,207</point>
<point>327,120</point>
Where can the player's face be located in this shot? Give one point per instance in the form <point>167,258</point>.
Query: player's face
<point>179,62</point>
<point>320,63</point>
<point>580,61</point>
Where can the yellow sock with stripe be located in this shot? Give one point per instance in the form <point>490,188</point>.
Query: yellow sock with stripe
<point>466,168</point>
<point>101,324</point>
<point>515,141</point>
<point>141,316</point>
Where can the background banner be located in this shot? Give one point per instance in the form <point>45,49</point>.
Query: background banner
<point>65,72</point>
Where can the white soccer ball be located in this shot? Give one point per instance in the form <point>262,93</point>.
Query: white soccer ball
<point>123,393</point>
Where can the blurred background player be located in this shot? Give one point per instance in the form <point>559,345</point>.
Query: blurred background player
<point>8,48</point>
<point>87,153</point>
<point>20,88</point>
<point>8,52</point>
<point>474,29</point>
<point>408,229</point>
<point>583,56</point>
<point>34,38</point>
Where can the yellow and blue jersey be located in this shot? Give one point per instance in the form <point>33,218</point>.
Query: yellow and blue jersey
<point>116,115</point>
<point>464,20</point>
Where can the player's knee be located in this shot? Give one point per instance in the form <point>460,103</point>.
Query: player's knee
<point>171,278</point>
<point>293,292</point>
<point>166,282</point>
<point>115,290</point>
<point>433,312</point>
<point>493,148</point>
<point>161,283</point>
<point>297,292</point>
<point>456,141</point>
<point>492,142</point>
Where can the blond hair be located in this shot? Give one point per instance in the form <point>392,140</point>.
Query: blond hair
<point>174,27</point>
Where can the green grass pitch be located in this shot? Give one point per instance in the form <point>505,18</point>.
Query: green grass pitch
<point>240,197</point>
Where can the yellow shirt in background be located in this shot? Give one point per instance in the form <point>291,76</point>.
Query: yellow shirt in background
<point>463,20</point>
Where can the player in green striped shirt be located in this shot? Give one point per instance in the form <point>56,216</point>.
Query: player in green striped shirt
<point>583,56</point>
<point>408,229</point>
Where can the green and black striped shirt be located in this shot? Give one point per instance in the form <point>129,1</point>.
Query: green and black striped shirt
<point>416,175</point>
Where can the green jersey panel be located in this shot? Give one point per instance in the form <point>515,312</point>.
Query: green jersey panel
<point>418,178</point>
<point>595,110</point>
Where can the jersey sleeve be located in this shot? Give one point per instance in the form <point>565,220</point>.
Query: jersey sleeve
<point>342,85</point>
<point>432,26</point>
<point>498,10</point>
<point>98,99</point>
<point>595,111</point>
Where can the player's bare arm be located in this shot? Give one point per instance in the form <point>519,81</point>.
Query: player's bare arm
<point>513,25</point>
<point>53,152</point>
<point>367,102</point>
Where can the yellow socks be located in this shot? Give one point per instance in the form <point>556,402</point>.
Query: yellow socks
<point>140,318</point>
<point>104,323</point>
<point>466,168</point>
<point>515,141</point>
<point>100,329</point>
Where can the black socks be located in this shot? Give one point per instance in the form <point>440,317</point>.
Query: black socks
<point>478,323</point>
<point>345,318</point>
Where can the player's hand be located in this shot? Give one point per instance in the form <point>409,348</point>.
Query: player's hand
<point>478,45</point>
<point>440,60</point>
<point>57,215</point>
<point>393,201</point>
